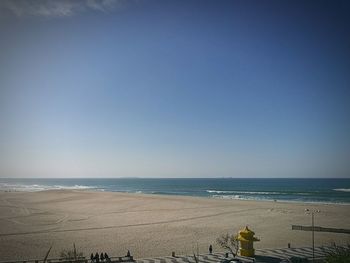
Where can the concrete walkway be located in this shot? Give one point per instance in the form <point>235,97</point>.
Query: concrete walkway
<point>262,255</point>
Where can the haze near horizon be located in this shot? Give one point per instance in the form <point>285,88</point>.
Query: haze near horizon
<point>174,89</point>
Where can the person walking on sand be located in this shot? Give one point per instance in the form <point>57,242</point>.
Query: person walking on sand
<point>102,257</point>
<point>92,257</point>
<point>210,249</point>
<point>97,258</point>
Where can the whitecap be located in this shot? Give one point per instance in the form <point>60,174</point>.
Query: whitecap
<point>342,189</point>
<point>37,187</point>
<point>220,192</point>
<point>248,192</point>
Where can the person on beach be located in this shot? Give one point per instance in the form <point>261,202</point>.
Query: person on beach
<point>128,254</point>
<point>210,249</point>
<point>106,256</point>
<point>92,257</point>
<point>102,257</point>
<point>97,258</point>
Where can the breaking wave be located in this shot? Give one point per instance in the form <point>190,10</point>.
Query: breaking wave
<point>342,189</point>
<point>254,192</point>
<point>240,197</point>
<point>37,187</point>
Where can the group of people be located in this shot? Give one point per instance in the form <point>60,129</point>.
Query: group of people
<point>103,257</point>
<point>97,258</point>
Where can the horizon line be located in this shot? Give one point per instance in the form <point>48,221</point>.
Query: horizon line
<point>135,177</point>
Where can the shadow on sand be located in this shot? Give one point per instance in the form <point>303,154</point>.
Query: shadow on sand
<point>267,259</point>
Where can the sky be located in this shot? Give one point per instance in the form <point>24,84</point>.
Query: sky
<point>117,88</point>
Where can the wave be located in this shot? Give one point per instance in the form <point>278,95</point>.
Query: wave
<point>37,187</point>
<point>342,189</point>
<point>237,197</point>
<point>73,187</point>
<point>251,198</point>
<point>255,192</point>
<point>220,192</point>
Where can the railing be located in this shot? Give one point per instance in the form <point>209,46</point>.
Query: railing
<point>79,260</point>
<point>321,229</point>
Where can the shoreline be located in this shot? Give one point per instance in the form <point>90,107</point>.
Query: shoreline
<point>151,225</point>
<point>139,194</point>
<point>304,190</point>
<point>92,190</point>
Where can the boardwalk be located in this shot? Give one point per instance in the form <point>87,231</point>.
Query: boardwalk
<point>262,255</point>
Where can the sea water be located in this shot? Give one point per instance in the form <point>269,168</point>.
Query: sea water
<point>268,189</point>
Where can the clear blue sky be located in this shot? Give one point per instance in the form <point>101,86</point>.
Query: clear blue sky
<point>174,88</point>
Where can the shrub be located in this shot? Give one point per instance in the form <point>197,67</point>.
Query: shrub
<point>71,254</point>
<point>229,242</point>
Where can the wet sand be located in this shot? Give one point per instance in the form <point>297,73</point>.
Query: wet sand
<point>150,225</point>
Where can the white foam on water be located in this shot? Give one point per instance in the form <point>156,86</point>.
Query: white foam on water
<point>73,187</point>
<point>235,197</point>
<point>342,189</point>
<point>220,192</point>
<point>239,197</point>
<point>37,187</point>
<point>254,192</point>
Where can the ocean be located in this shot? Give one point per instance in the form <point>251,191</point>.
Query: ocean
<point>290,190</point>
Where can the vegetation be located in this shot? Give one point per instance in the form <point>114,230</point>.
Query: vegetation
<point>338,254</point>
<point>71,254</point>
<point>47,254</point>
<point>229,242</point>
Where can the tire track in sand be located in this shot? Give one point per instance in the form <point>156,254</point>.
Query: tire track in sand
<point>125,226</point>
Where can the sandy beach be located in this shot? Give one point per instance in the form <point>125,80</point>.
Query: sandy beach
<point>150,225</point>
